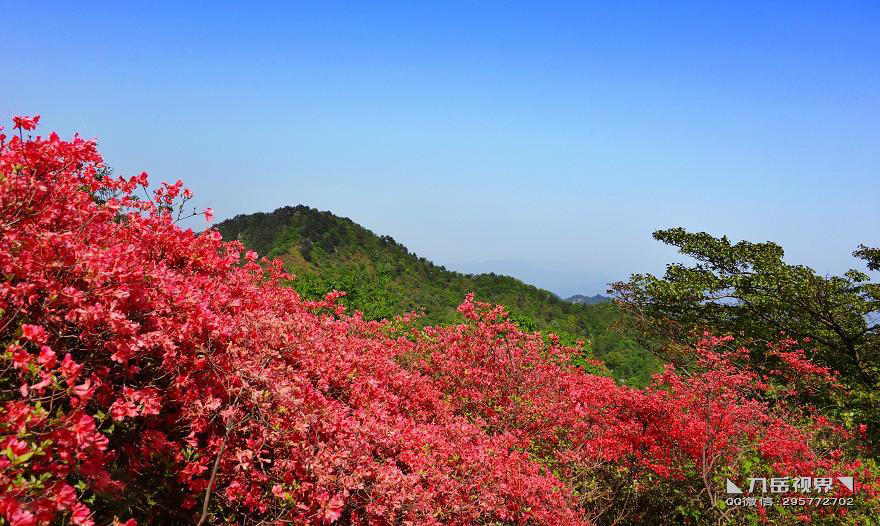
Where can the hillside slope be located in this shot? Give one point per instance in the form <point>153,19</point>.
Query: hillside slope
<point>383,278</point>
<point>587,300</point>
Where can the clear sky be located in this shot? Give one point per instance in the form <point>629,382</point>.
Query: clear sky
<point>542,139</point>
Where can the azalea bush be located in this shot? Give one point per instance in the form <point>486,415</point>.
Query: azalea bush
<point>155,375</point>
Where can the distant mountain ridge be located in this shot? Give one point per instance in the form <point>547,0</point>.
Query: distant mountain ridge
<point>587,300</point>
<point>382,279</point>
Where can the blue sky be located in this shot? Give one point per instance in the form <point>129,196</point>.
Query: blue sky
<point>543,139</point>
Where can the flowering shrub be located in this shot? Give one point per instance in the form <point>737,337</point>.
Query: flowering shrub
<point>630,453</point>
<point>154,375</point>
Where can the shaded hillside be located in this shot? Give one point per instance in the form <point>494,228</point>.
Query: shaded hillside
<point>383,278</point>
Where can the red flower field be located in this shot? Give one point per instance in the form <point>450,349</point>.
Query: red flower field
<point>155,375</point>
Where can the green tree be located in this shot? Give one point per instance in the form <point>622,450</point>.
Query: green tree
<point>747,290</point>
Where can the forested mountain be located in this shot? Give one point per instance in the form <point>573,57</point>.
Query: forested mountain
<point>383,278</point>
<point>587,300</point>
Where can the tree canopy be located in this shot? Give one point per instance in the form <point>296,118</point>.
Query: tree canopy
<point>749,291</point>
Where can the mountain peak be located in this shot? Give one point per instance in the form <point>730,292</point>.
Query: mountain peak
<point>383,279</point>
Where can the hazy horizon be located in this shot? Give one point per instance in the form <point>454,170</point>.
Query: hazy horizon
<point>549,140</point>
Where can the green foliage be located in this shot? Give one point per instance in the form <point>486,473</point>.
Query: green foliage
<point>870,255</point>
<point>749,291</point>
<point>382,279</point>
